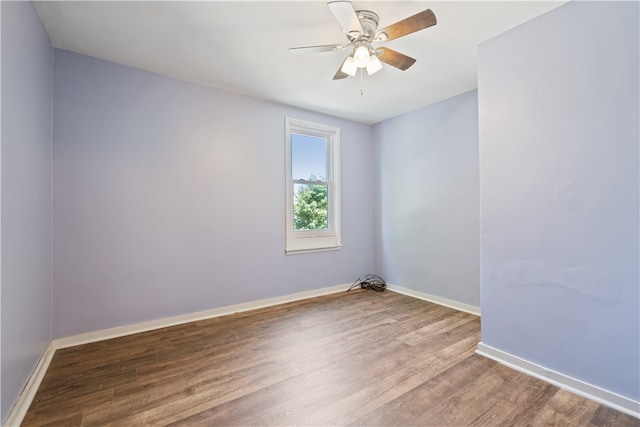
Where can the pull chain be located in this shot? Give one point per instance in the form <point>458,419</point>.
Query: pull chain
<point>361,89</point>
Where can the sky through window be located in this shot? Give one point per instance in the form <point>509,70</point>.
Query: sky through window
<point>308,157</point>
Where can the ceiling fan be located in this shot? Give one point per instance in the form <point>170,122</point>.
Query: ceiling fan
<point>361,29</point>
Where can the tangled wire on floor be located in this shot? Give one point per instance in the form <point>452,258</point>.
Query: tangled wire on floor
<point>371,281</point>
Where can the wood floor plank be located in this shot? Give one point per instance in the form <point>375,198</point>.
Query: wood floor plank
<point>353,358</point>
<point>53,413</point>
<point>610,417</point>
<point>72,421</point>
<point>475,397</point>
<point>520,402</point>
<point>565,408</point>
<point>381,381</point>
<point>315,387</point>
<point>404,409</point>
<point>82,386</point>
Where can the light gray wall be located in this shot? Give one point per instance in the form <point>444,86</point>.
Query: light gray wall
<point>27,71</point>
<point>559,139</point>
<point>426,199</point>
<point>169,199</point>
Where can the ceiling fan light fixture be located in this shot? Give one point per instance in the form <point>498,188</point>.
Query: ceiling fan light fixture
<point>361,29</point>
<point>349,67</point>
<point>373,65</point>
<point>361,56</point>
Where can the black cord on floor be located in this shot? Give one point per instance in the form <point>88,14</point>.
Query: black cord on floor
<point>371,281</point>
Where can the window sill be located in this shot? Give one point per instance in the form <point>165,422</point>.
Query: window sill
<point>313,250</point>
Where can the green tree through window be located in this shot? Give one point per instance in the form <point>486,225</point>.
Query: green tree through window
<point>310,210</point>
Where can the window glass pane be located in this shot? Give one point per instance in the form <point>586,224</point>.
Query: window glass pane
<point>310,207</point>
<point>308,157</point>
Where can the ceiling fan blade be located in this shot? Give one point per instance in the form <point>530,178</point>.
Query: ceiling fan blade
<point>395,59</point>
<point>417,22</point>
<point>340,74</point>
<point>315,49</point>
<point>346,15</point>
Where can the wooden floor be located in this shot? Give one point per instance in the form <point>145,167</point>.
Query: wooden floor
<point>357,358</point>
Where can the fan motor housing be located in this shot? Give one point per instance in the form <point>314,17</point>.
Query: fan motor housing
<point>369,23</point>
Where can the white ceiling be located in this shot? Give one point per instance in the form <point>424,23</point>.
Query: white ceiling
<point>242,46</point>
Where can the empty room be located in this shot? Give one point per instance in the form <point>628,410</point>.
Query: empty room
<point>311,213</point>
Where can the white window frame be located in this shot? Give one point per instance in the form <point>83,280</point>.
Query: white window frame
<point>307,241</point>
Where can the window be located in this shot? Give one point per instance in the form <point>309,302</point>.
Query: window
<point>313,187</point>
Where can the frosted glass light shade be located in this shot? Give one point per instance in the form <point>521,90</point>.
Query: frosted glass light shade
<point>349,67</point>
<point>361,56</point>
<point>373,65</point>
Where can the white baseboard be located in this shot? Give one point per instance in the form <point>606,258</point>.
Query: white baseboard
<point>190,317</point>
<point>600,395</point>
<point>19,410</point>
<point>467,308</point>
<point>21,406</point>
